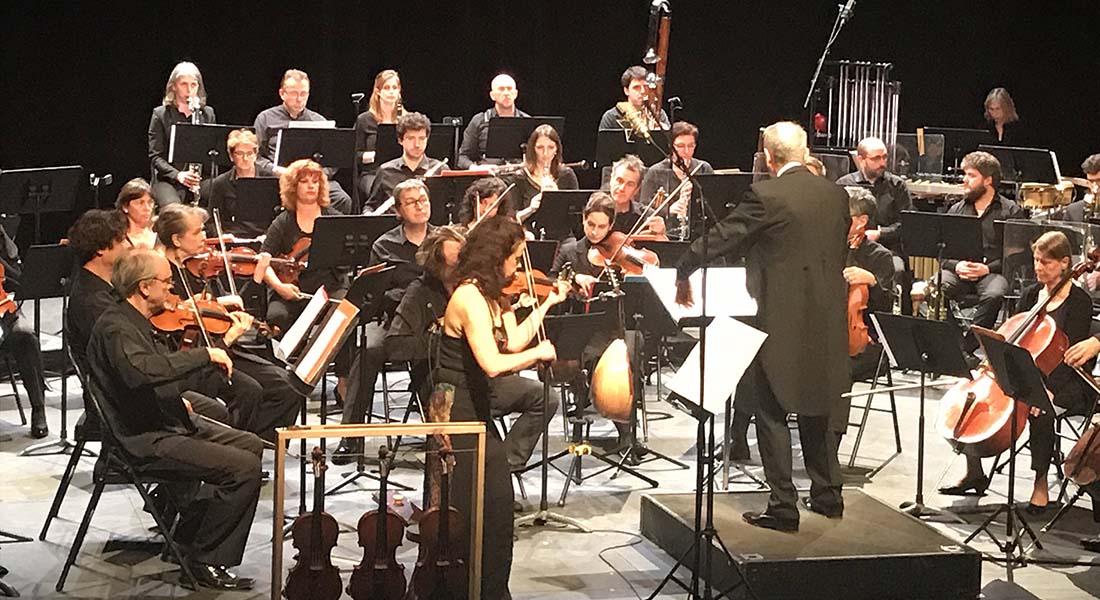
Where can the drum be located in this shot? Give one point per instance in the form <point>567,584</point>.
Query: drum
<point>1038,196</point>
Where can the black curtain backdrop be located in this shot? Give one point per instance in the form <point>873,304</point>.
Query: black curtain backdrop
<point>78,79</point>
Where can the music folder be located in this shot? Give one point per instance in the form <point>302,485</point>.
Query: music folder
<point>316,336</point>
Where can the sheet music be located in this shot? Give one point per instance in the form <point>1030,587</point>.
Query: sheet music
<point>731,346</point>
<point>726,292</point>
<point>326,343</point>
<point>172,144</point>
<point>311,125</point>
<point>298,331</point>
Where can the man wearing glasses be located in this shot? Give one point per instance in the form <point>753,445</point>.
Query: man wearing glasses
<point>294,92</point>
<point>243,146</point>
<point>668,174</point>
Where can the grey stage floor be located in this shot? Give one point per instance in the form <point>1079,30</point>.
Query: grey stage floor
<point>610,563</point>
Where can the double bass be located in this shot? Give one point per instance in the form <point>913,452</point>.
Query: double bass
<point>313,576</point>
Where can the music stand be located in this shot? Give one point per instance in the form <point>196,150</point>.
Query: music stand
<point>1022,381</point>
<point>668,253</point>
<point>203,144</point>
<point>507,137</point>
<point>957,143</point>
<point>613,144</point>
<point>258,201</point>
<point>39,190</point>
<point>1023,165</point>
<point>940,236</point>
<point>441,143</point>
<point>542,254</point>
<point>721,194</point>
<point>931,347</point>
<point>345,241</point>
<point>559,214</point>
<point>446,192</point>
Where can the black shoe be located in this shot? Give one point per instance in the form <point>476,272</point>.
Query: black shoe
<point>763,519</point>
<point>967,487</point>
<point>39,427</point>
<point>972,361</point>
<point>1036,509</point>
<point>1092,544</point>
<point>830,512</point>
<point>347,452</point>
<point>219,577</point>
<point>517,507</point>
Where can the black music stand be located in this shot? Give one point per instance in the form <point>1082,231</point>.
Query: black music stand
<point>559,215</point>
<point>441,143</point>
<point>957,143</point>
<point>345,241</point>
<point>931,347</point>
<point>258,202</point>
<point>507,136</point>
<point>446,193</point>
<point>542,254</point>
<point>39,190</point>
<point>613,144</point>
<point>1023,165</point>
<point>329,147</point>
<point>668,253</point>
<point>1022,381</point>
<point>203,144</point>
<point>52,266</point>
<point>721,193</point>
<point>941,236</point>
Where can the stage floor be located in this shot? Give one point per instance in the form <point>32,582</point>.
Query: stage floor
<point>548,563</point>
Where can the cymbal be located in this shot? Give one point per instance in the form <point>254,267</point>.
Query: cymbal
<point>1078,181</point>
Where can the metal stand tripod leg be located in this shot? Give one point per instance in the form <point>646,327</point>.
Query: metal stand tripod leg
<point>917,508</point>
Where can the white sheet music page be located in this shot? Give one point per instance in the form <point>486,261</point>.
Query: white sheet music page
<point>312,365</point>
<point>727,294</point>
<point>731,346</point>
<point>298,331</point>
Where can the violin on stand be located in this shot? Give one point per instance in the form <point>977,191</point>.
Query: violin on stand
<point>441,572</point>
<point>313,576</point>
<point>380,576</point>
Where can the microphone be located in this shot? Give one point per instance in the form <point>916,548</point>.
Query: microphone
<point>674,103</point>
<point>194,103</point>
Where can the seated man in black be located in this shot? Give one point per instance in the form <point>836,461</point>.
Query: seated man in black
<point>981,176</point>
<point>623,186</point>
<point>413,130</point>
<point>141,383</point>
<point>243,147</point>
<point>636,90</point>
<point>599,220</point>
<point>503,92</point>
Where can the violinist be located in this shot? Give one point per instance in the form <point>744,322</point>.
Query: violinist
<point>480,341</point>
<point>303,190</point>
<point>1071,310</point>
<point>542,171</point>
<point>669,172</point>
<point>261,396</point>
<point>135,202</point>
<point>243,146</point>
<point>479,201</point>
<point>503,92</point>
<point>184,102</point>
<point>413,130</point>
<point>625,181</point>
<point>142,382</point>
<point>636,90</point>
<point>981,177</point>
<point>397,247</point>
<point>383,108</point>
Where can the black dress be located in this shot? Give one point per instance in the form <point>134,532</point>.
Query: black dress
<point>456,370</point>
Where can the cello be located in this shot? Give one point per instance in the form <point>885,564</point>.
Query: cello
<point>975,416</point>
<point>858,296</point>
<point>313,576</point>
<point>379,576</point>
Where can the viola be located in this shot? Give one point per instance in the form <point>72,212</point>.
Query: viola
<point>616,251</point>
<point>313,576</point>
<point>858,296</point>
<point>440,572</point>
<point>299,253</point>
<point>379,576</point>
<point>7,303</point>
<point>242,261</point>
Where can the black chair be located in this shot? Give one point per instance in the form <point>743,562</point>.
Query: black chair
<point>116,466</point>
<point>881,371</point>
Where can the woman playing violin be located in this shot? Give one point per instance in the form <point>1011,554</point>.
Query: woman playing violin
<point>1071,310</point>
<point>542,171</point>
<point>482,340</point>
<point>261,397</point>
<point>135,202</point>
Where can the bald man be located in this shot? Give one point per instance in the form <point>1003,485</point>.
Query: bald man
<point>503,92</point>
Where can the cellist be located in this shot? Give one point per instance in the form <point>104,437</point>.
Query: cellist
<point>1071,310</point>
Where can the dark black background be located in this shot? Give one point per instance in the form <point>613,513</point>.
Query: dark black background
<point>78,80</point>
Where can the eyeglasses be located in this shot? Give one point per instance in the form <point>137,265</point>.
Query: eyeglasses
<point>417,202</point>
<point>684,146</point>
<point>166,280</point>
<point>238,154</point>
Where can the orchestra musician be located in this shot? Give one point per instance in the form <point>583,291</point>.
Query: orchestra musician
<point>1078,210</point>
<point>20,340</point>
<point>141,381</point>
<point>481,340</point>
<point>636,90</point>
<point>135,203</point>
<point>183,94</point>
<point>815,166</point>
<point>795,222</point>
<point>981,176</point>
<point>1001,118</point>
<point>303,190</point>
<point>503,92</point>
<point>413,130</point>
<point>1071,310</point>
<point>397,247</point>
<point>623,185</point>
<point>261,397</point>
<point>668,173</point>
<point>243,146</point>
<point>479,201</point>
<point>383,108</point>
<point>542,170</point>
<point>294,93</point>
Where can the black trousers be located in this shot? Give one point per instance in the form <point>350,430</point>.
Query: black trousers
<point>279,404</point>
<point>1073,397</point>
<point>214,525</point>
<point>591,355</point>
<point>21,342</point>
<point>242,397</point>
<point>516,394</point>
<point>363,376</point>
<point>991,291</point>
<point>818,452</point>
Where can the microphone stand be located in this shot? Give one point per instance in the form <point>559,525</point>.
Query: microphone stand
<point>845,13</point>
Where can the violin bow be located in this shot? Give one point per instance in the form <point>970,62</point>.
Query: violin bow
<point>481,215</point>
<point>195,309</point>
<point>225,253</point>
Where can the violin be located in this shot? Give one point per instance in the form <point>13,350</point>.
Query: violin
<point>379,576</point>
<point>535,281</point>
<point>858,296</point>
<point>178,316</point>
<point>440,572</point>
<point>313,576</point>
<point>299,254</point>
<point>7,303</point>
<point>615,250</point>
<point>242,262</point>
